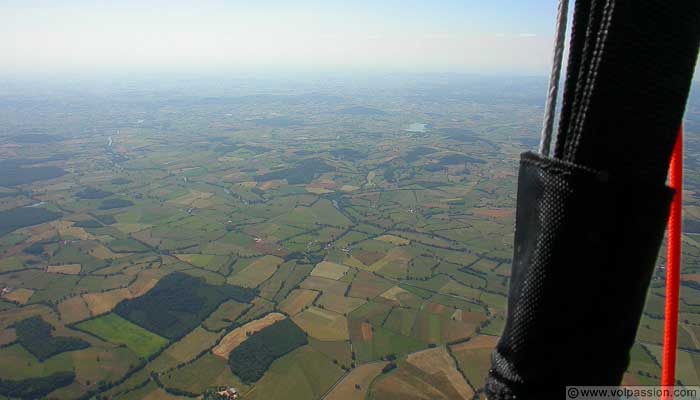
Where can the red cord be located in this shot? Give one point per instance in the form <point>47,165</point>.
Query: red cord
<point>673,267</point>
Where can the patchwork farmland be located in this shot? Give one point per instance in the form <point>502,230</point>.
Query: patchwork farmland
<point>158,258</point>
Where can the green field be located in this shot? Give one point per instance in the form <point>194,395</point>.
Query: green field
<point>205,372</point>
<point>18,363</point>
<point>117,330</point>
<point>383,343</point>
<point>302,374</point>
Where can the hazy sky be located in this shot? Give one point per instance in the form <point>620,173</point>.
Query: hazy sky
<point>499,36</point>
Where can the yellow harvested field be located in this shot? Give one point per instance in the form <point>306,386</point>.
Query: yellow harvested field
<point>66,228</point>
<point>103,253</point>
<point>68,269</point>
<point>339,303</point>
<point>190,346</point>
<point>324,285</point>
<point>257,272</point>
<point>478,342</point>
<point>438,363</point>
<point>233,177</point>
<point>349,188</point>
<point>271,184</point>
<point>7,336</point>
<point>317,190</point>
<point>329,270</point>
<point>73,310</point>
<point>249,184</point>
<point>297,300</point>
<point>323,324</point>
<point>239,335</point>
<point>9,317</point>
<point>19,296</point>
<point>38,233</point>
<point>104,302</point>
<point>395,256</point>
<point>361,376</point>
<point>393,293</point>
<point>192,197</point>
<point>131,227</point>
<point>354,262</point>
<point>144,282</point>
<point>229,159</point>
<point>399,241</point>
<point>79,217</point>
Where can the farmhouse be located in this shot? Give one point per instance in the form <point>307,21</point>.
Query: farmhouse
<point>228,393</point>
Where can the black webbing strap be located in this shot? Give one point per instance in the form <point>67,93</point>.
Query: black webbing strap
<point>578,37</point>
<point>629,94</point>
<point>590,221</point>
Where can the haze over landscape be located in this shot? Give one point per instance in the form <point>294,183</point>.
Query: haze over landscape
<point>408,36</point>
<point>295,200</point>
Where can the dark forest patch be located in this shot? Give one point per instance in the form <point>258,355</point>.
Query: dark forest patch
<point>106,219</point>
<point>305,172</point>
<point>415,154</point>
<point>464,135</point>
<point>115,203</point>
<point>90,193</point>
<point>348,154</point>
<point>89,223</point>
<point>456,159</point>
<point>18,172</point>
<point>252,358</point>
<point>35,335</point>
<point>26,216</point>
<point>178,303</point>
<point>35,248</point>
<point>461,134</point>
<point>33,138</point>
<point>35,388</point>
